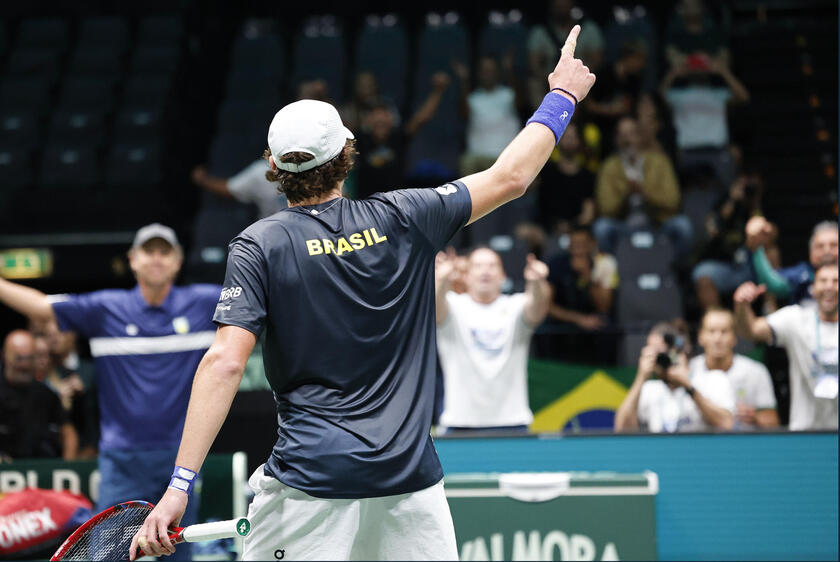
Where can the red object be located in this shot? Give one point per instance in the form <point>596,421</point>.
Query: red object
<point>35,520</point>
<point>698,61</point>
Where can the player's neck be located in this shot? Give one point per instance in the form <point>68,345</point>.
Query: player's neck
<point>155,295</point>
<point>483,298</point>
<point>323,198</point>
<point>719,363</point>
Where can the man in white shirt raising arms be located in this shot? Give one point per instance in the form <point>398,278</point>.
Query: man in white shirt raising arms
<point>809,335</point>
<point>754,397</point>
<point>483,338</point>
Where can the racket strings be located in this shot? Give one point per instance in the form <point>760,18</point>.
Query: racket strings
<point>111,537</point>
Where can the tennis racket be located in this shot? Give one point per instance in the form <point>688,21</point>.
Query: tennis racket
<point>107,535</point>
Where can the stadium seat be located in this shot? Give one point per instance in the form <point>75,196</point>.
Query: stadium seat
<point>213,229</point>
<point>133,165</point>
<point>382,48</point>
<point>15,169</point>
<point>503,33</point>
<point>43,33</point>
<point>230,153</point>
<point>502,221</point>
<point>627,25</point>
<point>25,94</point>
<point>87,93</point>
<point>159,30</point>
<point>513,253</point>
<point>77,129</point>
<point>146,89</point>
<point>697,204</point>
<point>95,60</point>
<point>63,167</point>
<point>434,151</point>
<point>34,63</point>
<point>109,33</point>
<point>18,131</point>
<point>155,59</point>
<point>139,123</point>
<point>254,84</point>
<point>259,50</point>
<point>645,298</point>
<point>320,53</point>
<point>642,252</point>
<point>246,117</point>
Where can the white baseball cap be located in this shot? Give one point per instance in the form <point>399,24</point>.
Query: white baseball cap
<point>309,126</point>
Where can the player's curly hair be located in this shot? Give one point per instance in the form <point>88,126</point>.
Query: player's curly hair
<point>310,184</point>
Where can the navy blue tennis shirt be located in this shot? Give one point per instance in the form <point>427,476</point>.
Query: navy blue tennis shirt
<point>344,291</point>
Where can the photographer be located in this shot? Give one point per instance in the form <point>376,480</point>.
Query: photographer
<point>663,398</point>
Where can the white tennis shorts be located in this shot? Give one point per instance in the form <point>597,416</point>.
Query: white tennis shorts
<point>288,524</point>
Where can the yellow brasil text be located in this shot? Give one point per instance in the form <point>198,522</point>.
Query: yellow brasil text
<point>355,241</point>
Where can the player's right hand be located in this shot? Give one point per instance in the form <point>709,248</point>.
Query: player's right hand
<point>153,536</point>
<point>570,73</point>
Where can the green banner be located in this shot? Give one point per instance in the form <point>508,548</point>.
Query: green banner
<point>581,517</point>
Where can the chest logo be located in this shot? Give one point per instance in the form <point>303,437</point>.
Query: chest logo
<point>132,329</point>
<point>181,325</point>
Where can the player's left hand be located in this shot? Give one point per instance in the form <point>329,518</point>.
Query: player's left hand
<point>153,536</point>
<point>535,270</point>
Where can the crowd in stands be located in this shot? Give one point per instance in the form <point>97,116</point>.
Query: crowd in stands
<point>602,246</point>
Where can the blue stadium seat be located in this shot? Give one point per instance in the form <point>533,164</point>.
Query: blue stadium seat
<point>230,153</point>
<point>213,229</point>
<point>382,48</point>
<point>155,59</point>
<point>95,60</point>
<point>76,168</point>
<point>434,152</point>
<point>513,253</point>
<point>260,51</point>
<point>254,84</point>
<point>151,90</point>
<point>136,164</point>
<point>159,30</point>
<point>141,123</point>
<point>15,169</point>
<point>246,117</point>
<point>642,252</point>
<point>320,53</point>
<point>19,130</point>
<point>50,32</point>
<point>109,33</point>
<point>25,94</point>
<point>87,92</point>
<point>646,298</point>
<point>77,129</point>
<point>503,33</point>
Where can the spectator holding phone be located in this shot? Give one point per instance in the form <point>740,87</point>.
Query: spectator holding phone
<point>665,399</point>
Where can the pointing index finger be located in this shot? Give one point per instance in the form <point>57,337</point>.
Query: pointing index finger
<point>571,42</point>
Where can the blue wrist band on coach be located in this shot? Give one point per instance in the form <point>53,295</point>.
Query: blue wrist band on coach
<point>554,112</point>
<point>183,479</point>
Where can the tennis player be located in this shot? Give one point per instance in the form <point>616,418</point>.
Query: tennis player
<point>343,291</point>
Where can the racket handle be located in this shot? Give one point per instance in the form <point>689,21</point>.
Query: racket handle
<point>216,530</point>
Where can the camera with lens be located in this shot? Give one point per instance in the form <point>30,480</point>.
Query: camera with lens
<point>666,359</point>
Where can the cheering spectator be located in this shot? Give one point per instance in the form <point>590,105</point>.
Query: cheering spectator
<point>724,260</point>
<point>483,338</point>
<point>656,132</point>
<point>366,96</point>
<point>583,282</point>
<point>791,283</point>
<point>491,112</point>
<point>755,402</point>
<point>382,144</point>
<point>692,35</point>
<point>636,187</point>
<point>809,335</point>
<point>700,114</point>
<point>32,420</point>
<point>247,186</point>
<point>665,398</point>
<point>546,39</point>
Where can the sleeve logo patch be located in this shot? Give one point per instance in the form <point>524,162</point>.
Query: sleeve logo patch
<point>230,293</point>
<point>447,189</point>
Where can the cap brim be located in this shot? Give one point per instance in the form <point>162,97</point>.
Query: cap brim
<point>348,133</point>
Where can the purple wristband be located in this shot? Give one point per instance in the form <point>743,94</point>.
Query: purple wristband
<point>183,479</point>
<point>554,112</point>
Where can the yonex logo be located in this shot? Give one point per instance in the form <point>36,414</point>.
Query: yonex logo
<point>564,115</point>
<point>447,189</point>
<point>243,527</point>
<point>230,293</point>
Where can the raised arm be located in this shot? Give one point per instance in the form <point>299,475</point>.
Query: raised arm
<point>445,274</point>
<point>214,387</point>
<point>30,302</point>
<point>537,291</point>
<point>524,157</point>
<point>213,184</point>
<point>627,414</point>
<point>746,323</point>
<point>440,81</point>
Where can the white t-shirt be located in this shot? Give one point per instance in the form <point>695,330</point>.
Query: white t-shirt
<point>750,381</point>
<point>662,410</point>
<point>493,121</point>
<point>795,328</point>
<point>483,350</point>
<point>700,116</point>
<point>250,186</point>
